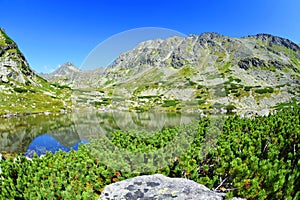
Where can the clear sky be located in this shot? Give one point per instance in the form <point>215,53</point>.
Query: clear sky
<point>52,32</point>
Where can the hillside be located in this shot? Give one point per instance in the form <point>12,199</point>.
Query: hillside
<point>204,71</point>
<point>21,90</point>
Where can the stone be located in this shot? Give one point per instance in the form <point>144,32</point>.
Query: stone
<point>4,79</point>
<point>264,112</point>
<point>158,186</point>
<point>248,62</point>
<point>1,159</point>
<point>275,40</point>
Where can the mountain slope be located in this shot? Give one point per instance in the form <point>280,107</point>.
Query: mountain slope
<point>21,90</point>
<point>206,71</point>
<point>69,74</point>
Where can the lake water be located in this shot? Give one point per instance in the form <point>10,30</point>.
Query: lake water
<point>40,133</point>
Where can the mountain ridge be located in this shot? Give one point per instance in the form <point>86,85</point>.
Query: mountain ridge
<point>226,67</point>
<point>197,72</point>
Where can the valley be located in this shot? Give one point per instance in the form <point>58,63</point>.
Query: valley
<point>220,111</point>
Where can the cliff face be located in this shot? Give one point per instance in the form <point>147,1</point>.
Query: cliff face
<point>13,65</point>
<point>21,90</point>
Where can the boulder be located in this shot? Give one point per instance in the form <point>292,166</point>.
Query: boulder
<point>158,186</point>
<point>1,158</point>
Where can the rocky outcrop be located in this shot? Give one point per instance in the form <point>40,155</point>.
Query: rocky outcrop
<point>13,65</point>
<point>275,40</point>
<point>158,187</point>
<point>249,62</point>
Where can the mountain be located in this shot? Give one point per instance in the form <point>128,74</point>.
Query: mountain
<point>21,89</point>
<point>205,71</point>
<point>65,70</point>
<point>209,72</point>
<point>13,65</point>
<point>69,74</point>
<point>62,74</point>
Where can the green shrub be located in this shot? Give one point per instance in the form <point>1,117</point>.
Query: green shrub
<point>251,158</point>
<point>247,88</point>
<point>200,102</point>
<point>20,90</point>
<point>233,86</point>
<point>237,80</point>
<point>97,103</point>
<point>149,97</point>
<point>169,103</point>
<point>237,94</point>
<point>60,86</point>
<point>199,87</point>
<point>264,90</point>
<point>192,83</point>
<point>230,108</point>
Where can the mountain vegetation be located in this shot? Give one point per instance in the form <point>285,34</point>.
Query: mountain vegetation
<point>253,158</point>
<point>21,90</point>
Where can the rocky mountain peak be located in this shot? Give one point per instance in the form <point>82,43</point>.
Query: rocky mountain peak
<point>65,69</point>
<point>210,35</point>
<point>275,40</point>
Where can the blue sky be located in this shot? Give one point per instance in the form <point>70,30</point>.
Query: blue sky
<point>52,32</point>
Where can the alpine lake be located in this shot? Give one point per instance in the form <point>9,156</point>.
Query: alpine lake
<point>39,133</point>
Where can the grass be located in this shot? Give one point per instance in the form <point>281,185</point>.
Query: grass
<point>186,71</point>
<point>31,99</point>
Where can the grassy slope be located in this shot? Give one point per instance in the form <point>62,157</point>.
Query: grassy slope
<point>17,98</point>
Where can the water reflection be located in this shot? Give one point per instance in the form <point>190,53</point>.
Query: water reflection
<point>41,133</point>
<point>41,144</point>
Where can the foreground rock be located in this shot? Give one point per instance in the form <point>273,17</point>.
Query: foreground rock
<point>158,187</point>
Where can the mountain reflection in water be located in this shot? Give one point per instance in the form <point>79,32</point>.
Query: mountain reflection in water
<point>41,133</point>
<point>41,144</point>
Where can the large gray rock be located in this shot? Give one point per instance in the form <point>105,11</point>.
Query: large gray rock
<point>158,186</point>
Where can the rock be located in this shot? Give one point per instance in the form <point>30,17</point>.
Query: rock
<point>248,62</point>
<point>13,65</point>
<point>4,79</point>
<point>158,186</point>
<point>1,159</point>
<point>275,40</point>
<point>47,113</point>
<point>264,112</point>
